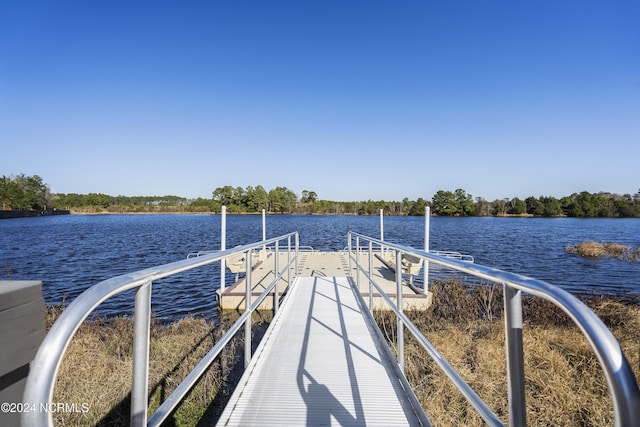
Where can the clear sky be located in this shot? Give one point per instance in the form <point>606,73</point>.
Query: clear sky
<point>354,100</point>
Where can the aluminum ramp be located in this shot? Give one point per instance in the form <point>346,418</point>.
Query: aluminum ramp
<point>322,363</point>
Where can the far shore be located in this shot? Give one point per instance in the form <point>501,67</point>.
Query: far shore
<point>125,212</point>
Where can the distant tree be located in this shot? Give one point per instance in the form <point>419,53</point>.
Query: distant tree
<point>625,208</point>
<point>10,194</point>
<point>308,196</point>
<point>483,207</point>
<point>516,206</point>
<point>203,205</point>
<point>465,202</point>
<point>534,206</point>
<point>24,192</point>
<point>551,206</point>
<point>500,207</point>
<point>417,208</point>
<point>282,200</point>
<point>257,198</point>
<point>224,195</point>
<point>96,200</point>
<point>445,203</point>
<point>572,206</point>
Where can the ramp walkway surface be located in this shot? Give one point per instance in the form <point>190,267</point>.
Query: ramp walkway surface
<point>322,362</point>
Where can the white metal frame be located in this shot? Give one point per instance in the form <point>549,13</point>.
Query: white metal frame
<point>620,379</point>
<point>42,378</point>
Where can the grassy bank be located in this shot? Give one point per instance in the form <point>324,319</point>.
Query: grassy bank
<point>97,369</point>
<point>564,383</point>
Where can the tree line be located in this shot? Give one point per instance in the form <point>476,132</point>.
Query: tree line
<point>24,192</point>
<point>30,192</point>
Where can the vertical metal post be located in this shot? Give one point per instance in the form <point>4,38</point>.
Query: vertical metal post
<point>264,225</point>
<point>370,275</point>
<point>515,357</point>
<point>223,247</point>
<point>400,328</point>
<point>247,307</point>
<point>297,241</point>
<point>382,231</point>
<point>275,288</point>
<point>289,260</point>
<point>427,226</point>
<point>141,325</point>
<point>357,262</point>
<point>349,252</point>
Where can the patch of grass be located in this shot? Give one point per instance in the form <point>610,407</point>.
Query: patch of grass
<point>97,369</point>
<point>564,382</point>
<point>606,249</point>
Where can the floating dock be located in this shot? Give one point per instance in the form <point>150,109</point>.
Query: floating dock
<point>324,264</point>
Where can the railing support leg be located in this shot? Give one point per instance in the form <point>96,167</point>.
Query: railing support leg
<point>370,275</point>
<point>400,326</point>
<point>141,325</point>
<point>223,247</point>
<point>288,262</point>
<point>247,307</point>
<point>297,242</point>
<point>275,289</point>
<point>515,357</point>
<point>357,262</point>
<point>349,252</point>
<point>427,222</point>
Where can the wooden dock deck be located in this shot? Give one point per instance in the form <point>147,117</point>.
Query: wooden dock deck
<point>322,362</point>
<point>322,264</point>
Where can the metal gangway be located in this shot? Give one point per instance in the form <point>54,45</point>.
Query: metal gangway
<point>320,314</point>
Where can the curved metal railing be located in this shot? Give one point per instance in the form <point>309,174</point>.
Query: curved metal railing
<point>620,379</point>
<point>42,378</point>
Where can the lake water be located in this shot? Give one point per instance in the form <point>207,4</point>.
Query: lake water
<point>71,253</point>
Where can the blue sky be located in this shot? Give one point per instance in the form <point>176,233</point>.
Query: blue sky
<point>354,100</point>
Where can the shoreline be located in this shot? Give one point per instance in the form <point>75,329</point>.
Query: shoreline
<point>187,212</point>
<point>6,214</point>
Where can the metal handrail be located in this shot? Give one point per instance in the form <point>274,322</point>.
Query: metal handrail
<point>623,388</point>
<point>453,254</point>
<point>447,254</point>
<point>214,251</point>
<point>42,378</point>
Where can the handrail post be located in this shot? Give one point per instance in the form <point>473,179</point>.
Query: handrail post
<point>349,252</point>
<point>289,260</point>
<point>382,232</point>
<point>425,269</point>
<point>140,380</point>
<point>247,307</point>
<point>223,246</point>
<point>275,289</point>
<point>400,327</point>
<point>264,227</point>
<point>357,262</point>
<point>515,357</point>
<point>370,275</point>
<point>297,241</point>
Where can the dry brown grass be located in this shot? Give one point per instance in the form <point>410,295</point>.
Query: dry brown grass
<point>608,249</point>
<point>97,370</point>
<point>564,382</point>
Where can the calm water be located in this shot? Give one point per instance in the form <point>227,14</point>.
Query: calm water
<point>71,253</point>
